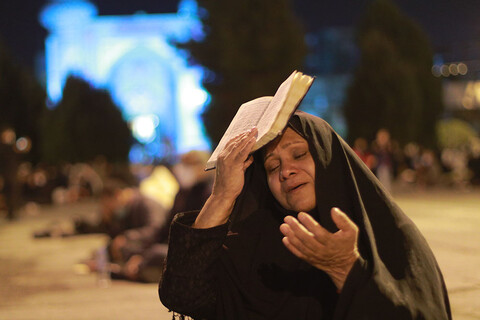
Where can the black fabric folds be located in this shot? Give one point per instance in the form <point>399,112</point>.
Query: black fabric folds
<point>251,275</point>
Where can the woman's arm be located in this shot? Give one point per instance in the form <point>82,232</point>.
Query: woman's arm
<point>195,242</point>
<point>188,282</point>
<point>229,180</point>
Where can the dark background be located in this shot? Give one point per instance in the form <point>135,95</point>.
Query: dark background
<point>445,21</point>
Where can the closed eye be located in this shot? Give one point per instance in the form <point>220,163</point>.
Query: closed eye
<point>272,169</point>
<point>298,156</point>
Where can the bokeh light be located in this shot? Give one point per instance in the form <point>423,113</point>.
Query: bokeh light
<point>143,128</point>
<point>23,144</point>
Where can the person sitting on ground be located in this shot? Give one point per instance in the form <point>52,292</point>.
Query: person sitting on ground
<point>301,229</point>
<point>195,187</point>
<point>129,218</point>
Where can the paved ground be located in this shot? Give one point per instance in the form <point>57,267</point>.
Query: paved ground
<point>451,224</point>
<point>40,278</point>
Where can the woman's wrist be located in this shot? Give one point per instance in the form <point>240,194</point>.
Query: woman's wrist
<point>215,212</point>
<point>339,273</point>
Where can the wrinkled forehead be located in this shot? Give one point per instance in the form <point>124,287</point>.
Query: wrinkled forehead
<point>287,138</point>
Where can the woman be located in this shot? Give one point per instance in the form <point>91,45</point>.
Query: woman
<point>302,230</point>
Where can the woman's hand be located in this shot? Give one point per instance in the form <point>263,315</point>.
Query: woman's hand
<point>229,180</point>
<point>334,253</point>
<point>231,165</point>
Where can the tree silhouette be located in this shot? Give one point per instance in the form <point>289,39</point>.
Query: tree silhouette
<point>22,101</point>
<point>393,86</point>
<point>249,48</point>
<point>85,124</point>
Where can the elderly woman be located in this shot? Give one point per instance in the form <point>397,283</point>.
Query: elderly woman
<point>301,230</point>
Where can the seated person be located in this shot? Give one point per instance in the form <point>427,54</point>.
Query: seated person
<point>195,187</point>
<point>129,218</point>
<point>300,230</point>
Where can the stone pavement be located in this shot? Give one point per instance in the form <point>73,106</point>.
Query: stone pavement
<point>41,278</point>
<point>450,221</point>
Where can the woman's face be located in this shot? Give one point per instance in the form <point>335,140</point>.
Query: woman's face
<point>291,172</point>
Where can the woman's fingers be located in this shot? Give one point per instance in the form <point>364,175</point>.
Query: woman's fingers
<point>343,222</point>
<point>309,241</point>
<point>233,143</point>
<point>239,147</point>
<point>246,144</point>
<point>299,236</point>
<point>293,249</point>
<point>320,233</point>
<point>247,163</point>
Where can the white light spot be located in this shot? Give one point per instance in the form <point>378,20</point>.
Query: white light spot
<point>143,128</point>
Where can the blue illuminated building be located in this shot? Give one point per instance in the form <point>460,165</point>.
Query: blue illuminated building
<point>159,94</point>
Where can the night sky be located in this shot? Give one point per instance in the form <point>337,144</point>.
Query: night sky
<point>445,21</point>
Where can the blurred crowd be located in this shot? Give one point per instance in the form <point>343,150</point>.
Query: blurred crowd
<point>137,203</point>
<point>416,166</point>
<point>25,186</point>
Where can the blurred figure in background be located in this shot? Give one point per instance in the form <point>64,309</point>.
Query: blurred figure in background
<point>382,149</point>
<point>195,187</point>
<point>474,163</point>
<point>83,182</point>
<point>456,162</point>
<point>408,174</point>
<point>9,186</point>
<point>428,169</point>
<point>129,218</point>
<point>360,146</point>
<point>195,183</point>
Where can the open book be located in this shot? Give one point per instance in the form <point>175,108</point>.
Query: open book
<point>269,114</point>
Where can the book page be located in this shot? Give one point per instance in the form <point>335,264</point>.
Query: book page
<point>298,89</point>
<point>284,103</point>
<point>276,105</point>
<point>247,116</point>
<point>245,119</point>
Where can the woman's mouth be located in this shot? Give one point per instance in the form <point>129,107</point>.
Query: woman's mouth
<point>295,188</point>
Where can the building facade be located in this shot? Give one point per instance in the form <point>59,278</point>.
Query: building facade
<point>159,94</point>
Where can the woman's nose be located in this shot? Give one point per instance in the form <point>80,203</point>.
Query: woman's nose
<point>287,170</point>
